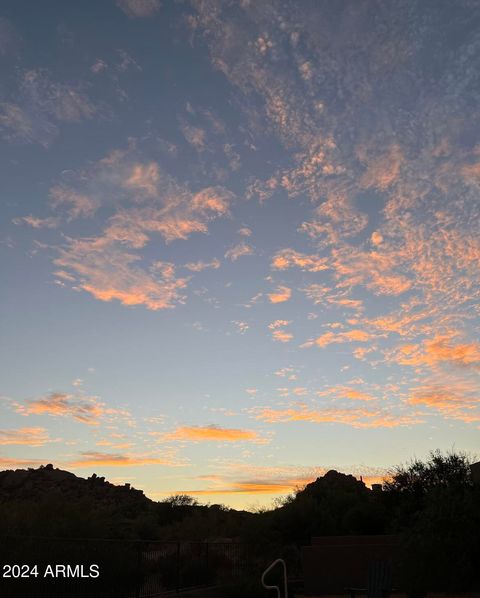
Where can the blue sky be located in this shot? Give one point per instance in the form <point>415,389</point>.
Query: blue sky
<point>238,240</point>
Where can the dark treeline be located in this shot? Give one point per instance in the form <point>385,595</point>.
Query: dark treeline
<point>434,506</point>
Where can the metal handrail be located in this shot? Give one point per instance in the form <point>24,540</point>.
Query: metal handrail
<point>268,569</point>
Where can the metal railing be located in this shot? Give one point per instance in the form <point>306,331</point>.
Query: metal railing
<point>276,587</point>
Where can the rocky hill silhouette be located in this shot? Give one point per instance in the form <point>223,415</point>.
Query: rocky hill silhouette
<point>40,483</point>
<point>335,481</point>
<point>53,502</point>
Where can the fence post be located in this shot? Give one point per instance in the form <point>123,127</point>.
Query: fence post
<point>177,576</point>
<point>139,570</point>
<point>207,564</point>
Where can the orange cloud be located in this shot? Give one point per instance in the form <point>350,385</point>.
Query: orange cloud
<point>440,349</point>
<point>107,266</point>
<point>262,190</point>
<point>471,170</point>
<point>279,324</point>
<point>376,238</point>
<point>144,178</point>
<point>335,219</point>
<point>323,295</point>
<point>242,327</point>
<point>289,258</point>
<point>373,269</point>
<point>80,204</point>
<point>195,136</point>
<point>212,433</point>
<point>359,336</point>
<point>255,487</point>
<point>358,418</point>
<point>410,319</point>
<point>170,226</point>
<point>437,252</point>
<point>356,395</point>
<point>318,161</point>
<point>212,200</point>
<point>281,295</point>
<point>382,171</point>
<point>87,410</point>
<point>176,214</point>
<point>239,250</point>
<point>6,462</point>
<point>108,272</point>
<point>278,333</point>
<point>452,398</point>
<point>113,445</point>
<point>287,372</point>
<point>346,392</point>
<point>25,436</point>
<point>50,222</point>
<point>94,459</point>
<point>201,265</point>
<point>282,336</point>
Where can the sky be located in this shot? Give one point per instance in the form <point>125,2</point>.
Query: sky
<point>238,240</point>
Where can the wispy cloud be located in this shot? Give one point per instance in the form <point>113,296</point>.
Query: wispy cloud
<point>87,410</point>
<point>6,462</point>
<point>25,436</point>
<point>449,396</point>
<point>213,433</point>
<point>278,331</point>
<point>287,372</point>
<point>382,170</point>
<point>96,459</point>
<point>79,205</point>
<point>349,392</point>
<point>201,265</point>
<point>357,418</point>
<point>355,335</point>
<point>34,222</point>
<point>146,202</point>
<point>328,297</point>
<point>281,295</point>
<point>40,105</point>
<point>241,326</point>
<point>143,179</point>
<point>289,258</point>
<point>239,250</point>
<point>108,272</point>
<point>139,8</point>
<point>335,219</point>
<point>441,349</point>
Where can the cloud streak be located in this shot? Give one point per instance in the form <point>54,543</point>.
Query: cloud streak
<point>89,459</point>
<point>25,436</point>
<point>213,433</point>
<point>86,410</point>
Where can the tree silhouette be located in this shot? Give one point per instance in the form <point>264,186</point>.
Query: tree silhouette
<point>447,470</point>
<point>435,506</point>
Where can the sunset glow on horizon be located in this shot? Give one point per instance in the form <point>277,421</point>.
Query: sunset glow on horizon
<point>239,240</point>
